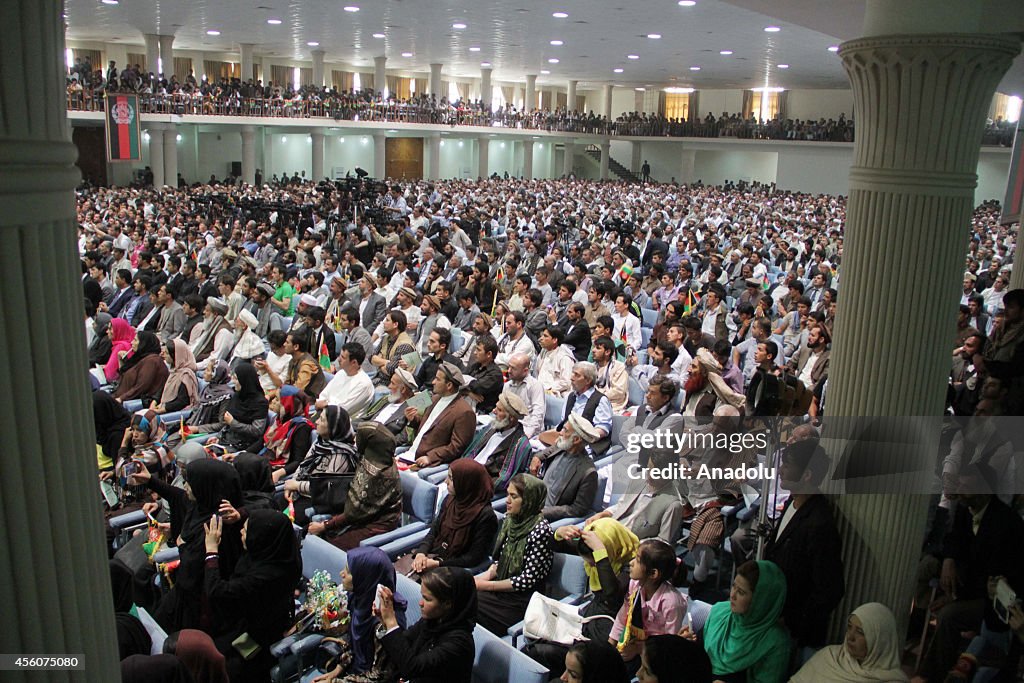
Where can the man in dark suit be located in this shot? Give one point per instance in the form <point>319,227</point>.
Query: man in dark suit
<point>124,294</point>
<point>577,331</point>
<point>438,344</point>
<point>371,305</point>
<point>569,473</point>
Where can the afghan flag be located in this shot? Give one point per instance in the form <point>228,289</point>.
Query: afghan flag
<point>765,283</point>
<point>624,272</point>
<point>692,300</point>
<point>325,358</point>
<point>123,125</point>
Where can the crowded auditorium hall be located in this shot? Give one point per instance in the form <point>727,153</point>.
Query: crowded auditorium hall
<point>679,342</point>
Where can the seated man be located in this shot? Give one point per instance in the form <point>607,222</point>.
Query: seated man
<point>529,389</point>
<point>351,388</point>
<point>589,403</point>
<point>568,471</point>
<point>612,375</point>
<point>389,410</point>
<point>655,413</point>
<point>487,381</point>
<point>438,343</point>
<point>651,507</point>
<point>447,426</point>
<point>503,448</point>
<point>553,367</point>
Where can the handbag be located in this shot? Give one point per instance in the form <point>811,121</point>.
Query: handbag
<point>554,621</point>
<point>329,492</point>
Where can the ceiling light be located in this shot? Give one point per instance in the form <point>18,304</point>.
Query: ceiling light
<point>544,72</point>
<point>474,49</point>
<point>783,66</point>
<point>110,2</point>
<point>557,42</point>
<point>553,60</point>
<point>640,89</point>
<point>618,71</point>
<point>654,36</point>
<point>458,25</point>
<point>211,32</point>
<point>560,15</point>
<point>725,52</point>
<point>833,48</point>
<point>694,68</point>
<point>632,56</point>
<point>687,3</point>
<point>772,29</point>
<point>313,43</point>
<point>771,89</point>
<point>679,91</point>
<point>485,63</point>
<point>379,35</point>
<point>351,8</point>
<point>274,22</point>
<point>407,54</point>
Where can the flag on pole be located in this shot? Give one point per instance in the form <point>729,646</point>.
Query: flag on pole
<point>123,127</point>
<point>624,272</point>
<point>692,300</point>
<point>766,283</point>
<point>325,358</point>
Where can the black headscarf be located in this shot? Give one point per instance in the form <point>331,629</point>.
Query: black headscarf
<point>256,479</point>
<point>132,636</point>
<point>110,419</point>
<point>249,403</point>
<point>99,350</point>
<point>463,600</point>
<point>211,481</point>
<point>149,344</point>
<point>154,669</point>
<point>340,438</point>
<point>601,662</point>
<point>677,660</point>
<point>271,549</point>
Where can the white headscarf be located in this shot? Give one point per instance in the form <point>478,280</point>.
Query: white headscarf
<point>834,664</point>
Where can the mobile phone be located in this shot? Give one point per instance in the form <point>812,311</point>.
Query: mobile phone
<point>379,600</point>
<point>1004,598</point>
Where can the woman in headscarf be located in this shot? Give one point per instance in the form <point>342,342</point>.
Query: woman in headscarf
<point>462,534</point>
<point>143,373</point>
<point>607,548</point>
<point>121,337</point>
<point>257,485</point>
<point>99,349</point>
<point>662,661</point>
<point>286,442</point>
<point>522,557</point>
<point>198,653</point>
<point>869,654</point>
<point>132,637</point>
<point>594,661</point>
<point>328,466</point>
<point>244,417</point>
<point>368,567</point>
<point>207,484</point>
<point>111,421</point>
<point>743,637</point>
<point>439,647</point>
<point>154,669</point>
<point>253,605</point>
<point>213,400</point>
<point>247,345</point>
<point>182,387</point>
<point>141,449</point>
<point>373,504</point>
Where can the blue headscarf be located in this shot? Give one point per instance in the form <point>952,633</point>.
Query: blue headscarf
<point>369,566</point>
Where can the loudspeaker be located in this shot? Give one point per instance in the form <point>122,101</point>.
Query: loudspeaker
<point>236,169</point>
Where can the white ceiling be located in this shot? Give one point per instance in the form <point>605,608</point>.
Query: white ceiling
<point>515,35</point>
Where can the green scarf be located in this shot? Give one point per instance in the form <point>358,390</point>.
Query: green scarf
<point>750,642</point>
<point>511,545</point>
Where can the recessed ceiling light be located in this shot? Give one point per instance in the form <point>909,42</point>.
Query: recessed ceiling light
<point>654,36</point>
<point>407,54</point>
<point>725,52</point>
<point>687,3</point>
<point>559,15</point>
<point>211,32</point>
<point>632,56</point>
<point>274,22</point>
<point>485,63</point>
<point>544,72</point>
<point>351,8</point>
<point>458,25</point>
<point>833,48</point>
<point>772,29</point>
<point>474,49</point>
<point>694,68</point>
<point>379,35</point>
<point>640,89</point>
<point>553,60</point>
<point>783,66</point>
<point>557,42</point>
<point>618,71</point>
<point>313,43</point>
<point>110,2</point>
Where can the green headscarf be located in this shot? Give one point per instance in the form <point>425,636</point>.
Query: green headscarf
<point>752,642</point>
<point>511,545</point>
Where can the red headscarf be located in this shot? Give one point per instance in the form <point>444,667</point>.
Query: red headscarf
<point>197,652</point>
<point>473,492</point>
<point>122,335</point>
<point>278,437</point>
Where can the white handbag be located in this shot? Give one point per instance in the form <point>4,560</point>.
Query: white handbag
<point>554,621</point>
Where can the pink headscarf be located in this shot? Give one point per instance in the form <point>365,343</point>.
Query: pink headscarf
<point>123,334</point>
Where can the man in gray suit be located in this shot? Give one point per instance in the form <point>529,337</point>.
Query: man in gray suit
<point>569,474</point>
<point>348,324</point>
<point>656,412</point>
<point>172,315</point>
<point>370,304</point>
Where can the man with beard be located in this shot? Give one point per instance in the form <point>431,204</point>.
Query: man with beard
<point>964,380</point>
<point>706,389</point>
<point>389,410</point>
<point>1003,358</point>
<point>503,447</point>
<point>216,339</point>
<point>394,344</point>
<point>569,472</point>
<point>810,365</point>
<point>261,300</point>
<point>351,388</point>
<point>430,309</point>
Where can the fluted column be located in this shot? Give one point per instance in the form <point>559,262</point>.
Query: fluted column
<point>171,155</point>
<point>607,104</point>
<point>54,574</point>
<point>528,159</point>
<point>1017,274</point>
<point>435,81</point>
<point>605,156</point>
<point>920,103</point>
<point>483,145</point>
<point>318,68</point>
<point>379,160</point>
<point>380,73</point>
<point>569,158</point>
<point>249,155</point>
<point>167,55</point>
<point>268,154</point>
<point>246,50</point>
<point>434,158</point>
<point>318,154</point>
<point>570,96</point>
<point>152,52</point>
<point>530,100</point>
<point>485,87</point>
<point>156,153</point>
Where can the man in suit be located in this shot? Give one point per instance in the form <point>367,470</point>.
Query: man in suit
<point>438,344</point>
<point>503,447</point>
<point>577,332</point>
<point>655,413</point>
<point>569,472</point>
<point>487,379</point>
<point>389,409</point>
<point>352,331</point>
<point>447,426</point>
<point>810,364</point>
<point>172,315</point>
<point>124,294</point>
<point>650,507</point>
<point>140,305</point>
<point>371,305</point>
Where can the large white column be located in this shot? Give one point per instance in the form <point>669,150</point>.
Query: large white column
<point>268,154</point>
<point>911,184</point>
<point>483,145</point>
<point>156,152</point>
<point>607,103</point>
<point>435,81</point>
<point>570,96</point>
<point>569,159</point>
<point>688,166</point>
<point>379,73</point>
<point>167,55</point>
<point>528,159</point>
<point>246,50</point>
<point>637,159</point>
<point>318,154</point>
<point>379,157</point>
<point>605,156</point>
<point>485,87</point>
<point>249,154</point>
<point>54,574</point>
<point>531,92</point>
<point>318,68</point>
<point>152,52</point>
<point>171,155</point>
<point>433,170</point>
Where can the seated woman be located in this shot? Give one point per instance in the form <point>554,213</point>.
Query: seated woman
<point>181,390</point>
<point>143,373</point>
<point>462,534</point>
<point>373,504</point>
<point>141,448</point>
<point>111,420</point>
<point>653,606</point>
<point>743,637</point>
<point>257,485</point>
<point>607,549</point>
<point>213,400</point>
<point>244,417</point>
<point>594,661</point>
<point>662,661</point>
<point>286,442</point>
<point>121,337</point>
<point>199,654</point>
<point>368,568</point>
<point>439,647</point>
<point>253,605</point>
<point>101,346</point>
<point>522,557</point>
<point>869,654</point>
<point>329,464</point>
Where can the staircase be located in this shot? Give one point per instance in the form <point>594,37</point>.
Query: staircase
<point>623,173</point>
